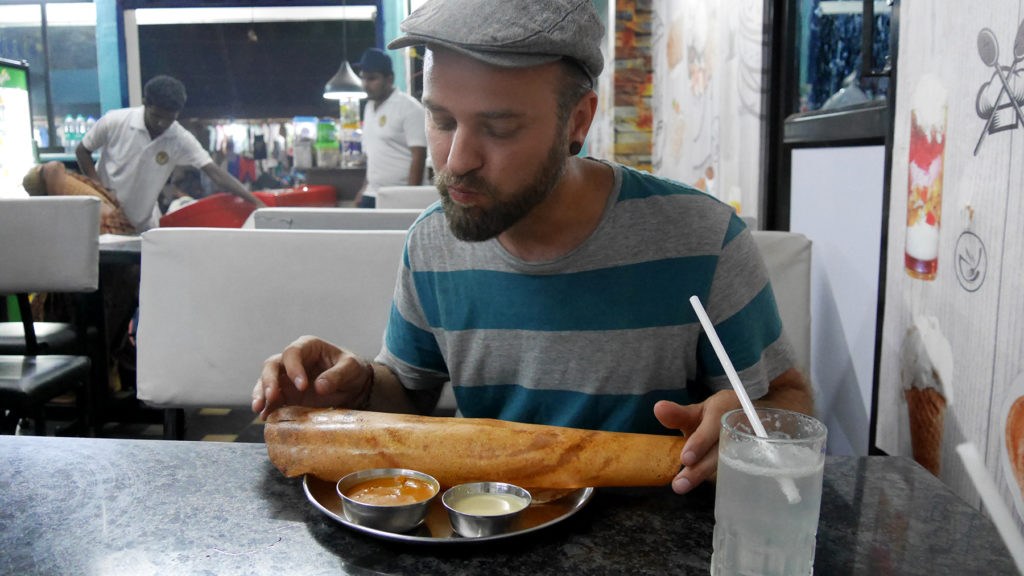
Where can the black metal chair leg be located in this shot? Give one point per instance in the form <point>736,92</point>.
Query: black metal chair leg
<point>174,424</point>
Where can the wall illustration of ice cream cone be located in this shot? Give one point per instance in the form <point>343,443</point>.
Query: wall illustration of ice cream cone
<point>926,370</point>
<point>1015,440</point>
<point>924,185</point>
<point>1011,426</point>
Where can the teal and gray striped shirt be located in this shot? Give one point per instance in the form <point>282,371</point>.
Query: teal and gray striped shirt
<point>596,337</point>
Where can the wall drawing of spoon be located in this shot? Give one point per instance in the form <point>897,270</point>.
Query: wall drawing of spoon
<point>988,49</point>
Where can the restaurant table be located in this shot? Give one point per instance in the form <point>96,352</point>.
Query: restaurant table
<point>109,506</point>
<point>116,252</point>
<point>120,249</point>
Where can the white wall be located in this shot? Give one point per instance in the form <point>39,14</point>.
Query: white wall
<point>836,201</point>
<point>975,297</point>
<point>707,93</point>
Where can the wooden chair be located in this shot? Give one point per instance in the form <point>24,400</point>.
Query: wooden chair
<point>47,244</point>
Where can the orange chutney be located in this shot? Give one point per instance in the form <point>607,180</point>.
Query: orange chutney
<point>390,491</point>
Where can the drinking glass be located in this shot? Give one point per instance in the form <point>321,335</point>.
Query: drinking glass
<point>768,494</point>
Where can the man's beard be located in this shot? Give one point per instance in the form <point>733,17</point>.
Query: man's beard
<point>476,224</point>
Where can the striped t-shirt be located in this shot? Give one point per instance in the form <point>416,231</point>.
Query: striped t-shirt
<point>594,338</point>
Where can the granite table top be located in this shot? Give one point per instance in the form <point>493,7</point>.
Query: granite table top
<point>104,506</point>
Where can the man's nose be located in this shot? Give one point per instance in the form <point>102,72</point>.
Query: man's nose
<point>464,153</point>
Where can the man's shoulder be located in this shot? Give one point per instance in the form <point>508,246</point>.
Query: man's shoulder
<point>666,206</point>
<point>403,100</point>
<point>640,184</point>
<point>180,132</point>
<point>121,115</point>
<point>431,221</point>
<point>429,236</point>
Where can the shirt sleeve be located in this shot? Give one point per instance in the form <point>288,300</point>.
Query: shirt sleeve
<point>741,304</point>
<point>415,127</point>
<point>98,136</point>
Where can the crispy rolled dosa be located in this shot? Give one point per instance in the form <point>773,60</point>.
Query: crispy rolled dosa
<point>330,443</point>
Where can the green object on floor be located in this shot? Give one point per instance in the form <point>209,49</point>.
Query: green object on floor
<point>12,309</point>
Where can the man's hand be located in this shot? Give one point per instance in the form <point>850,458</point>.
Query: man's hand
<point>701,423</point>
<point>225,181</point>
<point>339,378</point>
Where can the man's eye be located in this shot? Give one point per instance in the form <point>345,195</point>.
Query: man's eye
<point>443,124</point>
<point>501,132</point>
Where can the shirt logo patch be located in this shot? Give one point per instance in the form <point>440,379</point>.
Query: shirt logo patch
<point>383,120</point>
<point>162,157</point>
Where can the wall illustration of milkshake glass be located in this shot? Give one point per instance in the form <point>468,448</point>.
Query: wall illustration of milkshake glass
<point>924,187</point>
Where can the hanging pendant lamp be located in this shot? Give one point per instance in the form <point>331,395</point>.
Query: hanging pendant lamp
<point>344,84</point>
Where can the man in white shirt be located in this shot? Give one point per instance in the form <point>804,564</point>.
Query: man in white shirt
<point>141,147</point>
<point>394,137</point>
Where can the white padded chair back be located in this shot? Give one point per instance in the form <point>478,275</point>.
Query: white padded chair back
<point>407,196</point>
<point>49,244</point>
<point>216,303</point>
<point>787,255</point>
<point>335,218</point>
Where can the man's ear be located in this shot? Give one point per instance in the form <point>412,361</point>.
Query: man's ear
<point>582,117</point>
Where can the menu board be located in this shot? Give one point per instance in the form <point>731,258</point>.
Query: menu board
<point>16,152</point>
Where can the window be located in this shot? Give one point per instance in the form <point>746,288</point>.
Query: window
<point>830,39</point>
<point>61,54</point>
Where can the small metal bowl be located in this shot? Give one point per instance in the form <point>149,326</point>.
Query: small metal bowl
<point>390,518</point>
<point>480,523</point>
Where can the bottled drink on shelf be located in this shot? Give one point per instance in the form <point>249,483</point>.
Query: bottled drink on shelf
<point>68,134</point>
<point>79,128</point>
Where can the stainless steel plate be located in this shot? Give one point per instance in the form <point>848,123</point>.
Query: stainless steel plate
<point>549,508</point>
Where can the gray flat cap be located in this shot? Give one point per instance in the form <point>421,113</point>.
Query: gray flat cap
<point>510,33</point>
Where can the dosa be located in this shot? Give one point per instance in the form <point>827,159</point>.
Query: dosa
<point>330,443</point>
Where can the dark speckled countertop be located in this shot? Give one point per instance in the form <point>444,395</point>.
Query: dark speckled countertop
<point>100,506</point>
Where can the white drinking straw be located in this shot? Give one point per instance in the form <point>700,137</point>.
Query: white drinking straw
<point>995,505</point>
<point>788,486</point>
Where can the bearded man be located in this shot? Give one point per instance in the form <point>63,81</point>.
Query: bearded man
<point>546,287</point>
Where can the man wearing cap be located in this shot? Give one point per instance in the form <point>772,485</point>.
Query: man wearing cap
<point>393,133</point>
<point>141,147</point>
<point>546,287</point>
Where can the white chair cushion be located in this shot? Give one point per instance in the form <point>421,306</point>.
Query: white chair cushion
<point>407,196</point>
<point>215,303</point>
<point>49,244</point>
<point>335,218</point>
<point>787,255</point>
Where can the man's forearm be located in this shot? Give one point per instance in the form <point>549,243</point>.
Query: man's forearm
<point>789,391</point>
<point>419,162</point>
<point>84,157</point>
<point>235,187</point>
<point>388,395</point>
<point>227,182</point>
<point>359,194</point>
